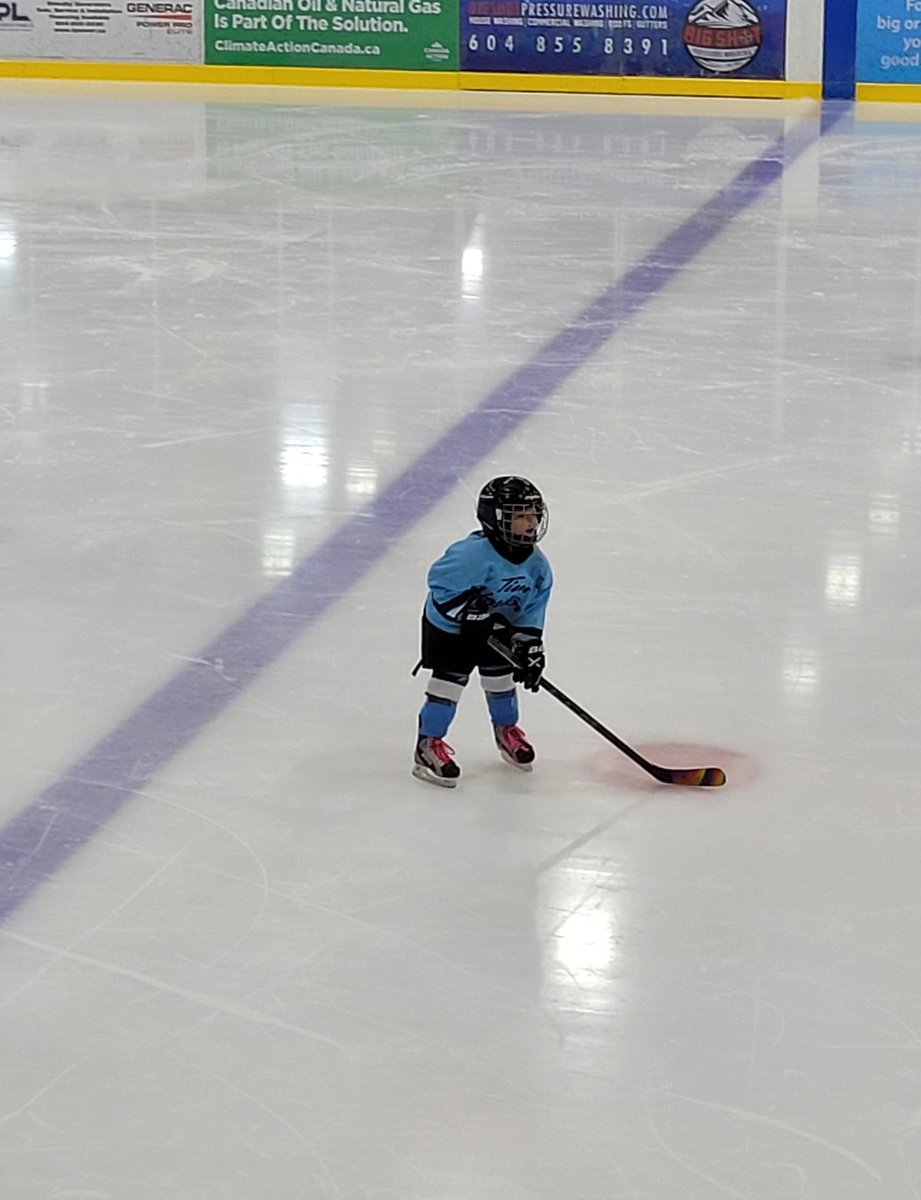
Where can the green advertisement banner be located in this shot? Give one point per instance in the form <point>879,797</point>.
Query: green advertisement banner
<point>394,35</point>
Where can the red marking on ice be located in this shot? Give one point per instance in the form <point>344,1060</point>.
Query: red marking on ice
<point>610,766</point>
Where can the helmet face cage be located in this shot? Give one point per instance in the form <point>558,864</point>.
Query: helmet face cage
<point>502,501</point>
<point>505,521</point>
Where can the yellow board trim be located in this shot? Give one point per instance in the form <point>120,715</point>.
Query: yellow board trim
<point>476,81</point>
<point>890,93</point>
<point>640,85</point>
<point>188,73</point>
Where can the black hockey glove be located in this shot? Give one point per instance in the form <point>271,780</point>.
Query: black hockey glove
<point>528,652</point>
<point>472,611</point>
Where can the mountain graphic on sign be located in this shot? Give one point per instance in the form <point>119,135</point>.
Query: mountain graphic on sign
<point>728,14</point>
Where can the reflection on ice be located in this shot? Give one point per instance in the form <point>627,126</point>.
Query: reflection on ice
<point>843,579</point>
<point>883,517</point>
<point>578,910</point>
<point>279,550</point>
<point>800,670</point>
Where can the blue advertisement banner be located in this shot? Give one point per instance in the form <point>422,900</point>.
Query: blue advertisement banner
<point>889,41</point>
<point>707,38</point>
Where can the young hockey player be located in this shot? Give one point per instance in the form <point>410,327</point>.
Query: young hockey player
<point>493,583</point>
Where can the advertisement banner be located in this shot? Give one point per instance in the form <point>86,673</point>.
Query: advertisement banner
<point>889,41</point>
<point>707,38</point>
<point>155,31</point>
<point>396,35</point>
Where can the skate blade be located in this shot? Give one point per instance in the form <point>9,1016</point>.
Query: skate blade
<point>427,776</point>
<point>514,762</point>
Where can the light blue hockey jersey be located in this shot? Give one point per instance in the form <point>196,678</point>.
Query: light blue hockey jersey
<point>519,591</point>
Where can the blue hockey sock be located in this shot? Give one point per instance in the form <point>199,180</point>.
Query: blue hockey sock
<point>503,707</point>
<point>436,716</point>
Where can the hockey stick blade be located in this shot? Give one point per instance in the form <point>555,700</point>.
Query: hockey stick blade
<point>690,777</point>
<point>694,777</point>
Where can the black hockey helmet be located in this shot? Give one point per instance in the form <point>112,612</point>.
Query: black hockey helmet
<point>505,498</point>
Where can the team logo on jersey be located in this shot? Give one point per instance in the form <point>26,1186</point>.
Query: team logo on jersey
<point>513,584</point>
<point>723,36</point>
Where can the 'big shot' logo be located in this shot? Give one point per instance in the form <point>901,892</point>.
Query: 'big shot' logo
<point>11,17</point>
<point>723,36</point>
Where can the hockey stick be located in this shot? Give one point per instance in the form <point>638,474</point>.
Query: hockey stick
<point>692,777</point>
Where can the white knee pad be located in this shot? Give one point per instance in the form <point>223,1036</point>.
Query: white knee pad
<point>445,689</point>
<point>498,683</point>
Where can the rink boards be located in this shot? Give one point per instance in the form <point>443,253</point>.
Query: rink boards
<point>770,49</point>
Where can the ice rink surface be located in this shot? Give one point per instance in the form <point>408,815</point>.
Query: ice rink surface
<point>260,352</point>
